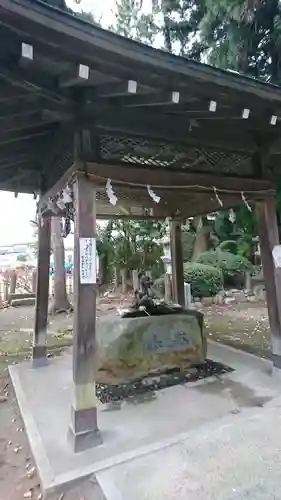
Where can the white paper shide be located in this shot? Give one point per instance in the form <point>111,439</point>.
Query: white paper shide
<point>276,254</point>
<point>88,271</point>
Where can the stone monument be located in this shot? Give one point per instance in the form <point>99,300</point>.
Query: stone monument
<point>136,342</point>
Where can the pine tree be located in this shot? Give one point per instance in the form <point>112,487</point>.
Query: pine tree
<point>244,35</point>
<point>181,22</point>
<point>133,22</point>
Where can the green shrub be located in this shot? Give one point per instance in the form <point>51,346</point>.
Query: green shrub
<point>205,280</point>
<point>187,245</point>
<point>232,266</point>
<point>228,246</point>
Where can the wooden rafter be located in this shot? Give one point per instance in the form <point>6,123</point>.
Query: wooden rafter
<point>139,107</point>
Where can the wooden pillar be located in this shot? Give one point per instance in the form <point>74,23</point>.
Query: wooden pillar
<point>269,238</point>
<point>84,428</point>
<point>167,284</point>
<point>136,284</point>
<point>39,352</point>
<point>116,278</point>
<point>34,281</point>
<point>13,282</point>
<point>6,290</point>
<point>177,263</point>
<point>248,281</point>
<point>124,288</point>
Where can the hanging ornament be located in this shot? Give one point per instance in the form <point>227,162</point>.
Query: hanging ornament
<point>66,195</point>
<point>60,203</point>
<point>110,193</point>
<point>231,215</point>
<point>245,202</point>
<point>66,227</point>
<point>217,196</point>
<point>152,194</point>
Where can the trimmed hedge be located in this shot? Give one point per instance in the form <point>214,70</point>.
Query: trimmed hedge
<point>228,246</point>
<point>231,265</point>
<point>205,280</point>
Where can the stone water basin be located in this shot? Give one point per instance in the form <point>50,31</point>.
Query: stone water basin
<point>134,343</point>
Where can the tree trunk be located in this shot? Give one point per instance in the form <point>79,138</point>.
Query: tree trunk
<point>201,238</point>
<point>60,302</point>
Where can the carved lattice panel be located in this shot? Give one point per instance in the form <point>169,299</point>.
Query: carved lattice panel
<point>151,153</point>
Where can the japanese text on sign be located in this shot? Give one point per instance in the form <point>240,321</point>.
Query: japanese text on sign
<point>88,273</point>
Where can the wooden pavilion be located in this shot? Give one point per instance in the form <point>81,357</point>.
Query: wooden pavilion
<point>84,109</point>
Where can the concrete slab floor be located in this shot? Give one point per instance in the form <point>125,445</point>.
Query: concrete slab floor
<point>236,460</point>
<point>134,430</point>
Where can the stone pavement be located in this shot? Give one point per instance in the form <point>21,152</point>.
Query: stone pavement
<point>237,459</point>
<point>217,438</point>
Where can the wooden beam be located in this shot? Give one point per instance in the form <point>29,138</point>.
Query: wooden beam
<point>96,46</point>
<point>269,239</point>
<point>16,160</point>
<point>14,94</point>
<point>148,100</point>
<point>141,176</point>
<point>79,76</point>
<point>29,79</point>
<point>83,429</point>
<point>144,123</point>
<point>25,135</point>
<point>18,174</point>
<point>109,113</point>
<point>59,115</point>
<point>39,350</point>
<point>29,104</point>
<point>25,122</point>
<point>110,90</point>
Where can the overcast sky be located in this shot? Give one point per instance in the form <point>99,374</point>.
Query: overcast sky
<point>103,11</point>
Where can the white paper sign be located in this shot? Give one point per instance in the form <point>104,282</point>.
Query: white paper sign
<point>276,253</point>
<point>88,256</point>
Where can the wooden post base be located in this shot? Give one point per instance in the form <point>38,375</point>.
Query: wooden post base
<point>276,359</point>
<point>83,430</point>
<point>39,355</point>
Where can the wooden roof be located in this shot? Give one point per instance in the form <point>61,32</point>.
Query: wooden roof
<point>140,107</point>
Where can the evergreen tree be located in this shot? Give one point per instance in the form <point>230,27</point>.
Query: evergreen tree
<point>133,22</point>
<point>181,23</point>
<point>244,35</point>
